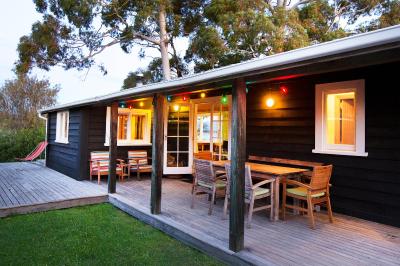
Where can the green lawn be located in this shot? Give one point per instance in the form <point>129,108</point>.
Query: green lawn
<point>90,235</point>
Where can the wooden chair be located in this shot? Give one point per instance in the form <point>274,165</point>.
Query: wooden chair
<point>138,162</point>
<point>316,192</point>
<point>99,163</point>
<point>253,192</point>
<point>204,155</point>
<point>206,181</point>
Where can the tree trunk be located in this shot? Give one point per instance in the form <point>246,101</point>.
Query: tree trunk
<point>164,44</point>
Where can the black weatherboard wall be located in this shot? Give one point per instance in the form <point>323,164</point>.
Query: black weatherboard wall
<point>363,187</point>
<point>96,130</point>
<point>66,158</point>
<point>87,129</point>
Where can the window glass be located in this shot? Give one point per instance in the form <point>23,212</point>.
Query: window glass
<point>340,112</point>
<point>62,127</point>
<point>122,126</point>
<point>203,127</point>
<point>133,126</point>
<point>340,118</point>
<point>137,127</point>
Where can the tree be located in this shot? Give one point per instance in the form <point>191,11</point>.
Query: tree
<point>233,31</point>
<point>221,32</point>
<point>21,98</point>
<point>73,32</point>
<point>153,72</point>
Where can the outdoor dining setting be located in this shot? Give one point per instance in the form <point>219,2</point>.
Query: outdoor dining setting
<point>306,187</point>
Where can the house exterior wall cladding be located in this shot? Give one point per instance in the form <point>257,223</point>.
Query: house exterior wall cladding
<point>365,187</point>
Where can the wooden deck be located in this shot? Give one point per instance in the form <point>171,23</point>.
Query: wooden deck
<point>30,187</point>
<point>348,241</point>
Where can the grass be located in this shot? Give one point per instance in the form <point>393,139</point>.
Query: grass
<point>90,235</point>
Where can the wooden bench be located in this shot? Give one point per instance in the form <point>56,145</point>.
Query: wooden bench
<point>288,162</point>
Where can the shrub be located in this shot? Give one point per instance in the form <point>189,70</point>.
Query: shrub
<point>18,143</point>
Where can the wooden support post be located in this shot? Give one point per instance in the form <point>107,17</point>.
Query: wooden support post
<point>112,167</point>
<point>238,160</point>
<point>157,153</point>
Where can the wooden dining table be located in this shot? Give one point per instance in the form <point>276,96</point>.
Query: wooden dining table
<point>268,171</point>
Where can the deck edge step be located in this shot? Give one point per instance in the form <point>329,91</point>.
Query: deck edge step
<point>190,237</point>
<point>53,205</point>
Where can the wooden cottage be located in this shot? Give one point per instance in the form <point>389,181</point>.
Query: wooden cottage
<point>335,102</point>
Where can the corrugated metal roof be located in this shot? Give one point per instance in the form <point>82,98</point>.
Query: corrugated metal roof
<point>335,47</point>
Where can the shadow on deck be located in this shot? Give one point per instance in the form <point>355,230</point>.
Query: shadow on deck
<point>348,241</point>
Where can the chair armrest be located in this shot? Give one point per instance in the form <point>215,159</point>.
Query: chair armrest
<point>262,183</point>
<point>297,183</point>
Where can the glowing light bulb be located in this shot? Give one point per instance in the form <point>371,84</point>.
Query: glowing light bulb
<point>270,102</point>
<point>284,90</point>
<point>202,95</point>
<point>224,99</point>
<point>169,98</point>
<point>185,98</point>
<point>176,108</point>
<point>141,104</point>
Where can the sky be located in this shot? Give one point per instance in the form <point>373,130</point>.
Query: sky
<point>16,19</point>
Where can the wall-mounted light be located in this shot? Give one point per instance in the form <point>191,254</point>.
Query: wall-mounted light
<point>203,95</point>
<point>169,98</point>
<point>141,104</point>
<point>176,107</point>
<point>122,104</point>
<point>185,98</point>
<point>270,102</point>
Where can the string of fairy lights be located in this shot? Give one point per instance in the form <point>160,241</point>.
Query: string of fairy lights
<point>269,102</point>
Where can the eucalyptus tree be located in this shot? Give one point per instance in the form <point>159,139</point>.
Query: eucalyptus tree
<point>232,31</point>
<point>72,32</point>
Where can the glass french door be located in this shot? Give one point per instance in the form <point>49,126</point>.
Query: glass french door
<point>178,152</point>
<point>212,128</point>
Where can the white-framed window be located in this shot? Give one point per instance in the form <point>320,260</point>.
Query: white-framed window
<point>340,118</point>
<point>62,127</point>
<point>134,127</point>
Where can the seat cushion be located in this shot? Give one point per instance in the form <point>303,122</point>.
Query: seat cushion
<point>141,167</point>
<point>302,191</point>
<point>104,169</point>
<point>260,191</point>
<point>218,184</point>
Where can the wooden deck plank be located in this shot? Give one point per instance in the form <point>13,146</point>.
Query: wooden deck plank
<point>27,187</point>
<point>348,241</point>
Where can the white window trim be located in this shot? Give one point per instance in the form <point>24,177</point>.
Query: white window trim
<point>147,134</point>
<point>62,117</point>
<point>357,86</point>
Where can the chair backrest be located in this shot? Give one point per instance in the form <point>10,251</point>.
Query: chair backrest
<point>321,176</point>
<point>37,151</point>
<point>203,171</point>
<point>248,181</point>
<point>204,155</point>
<point>139,157</point>
<point>103,157</point>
